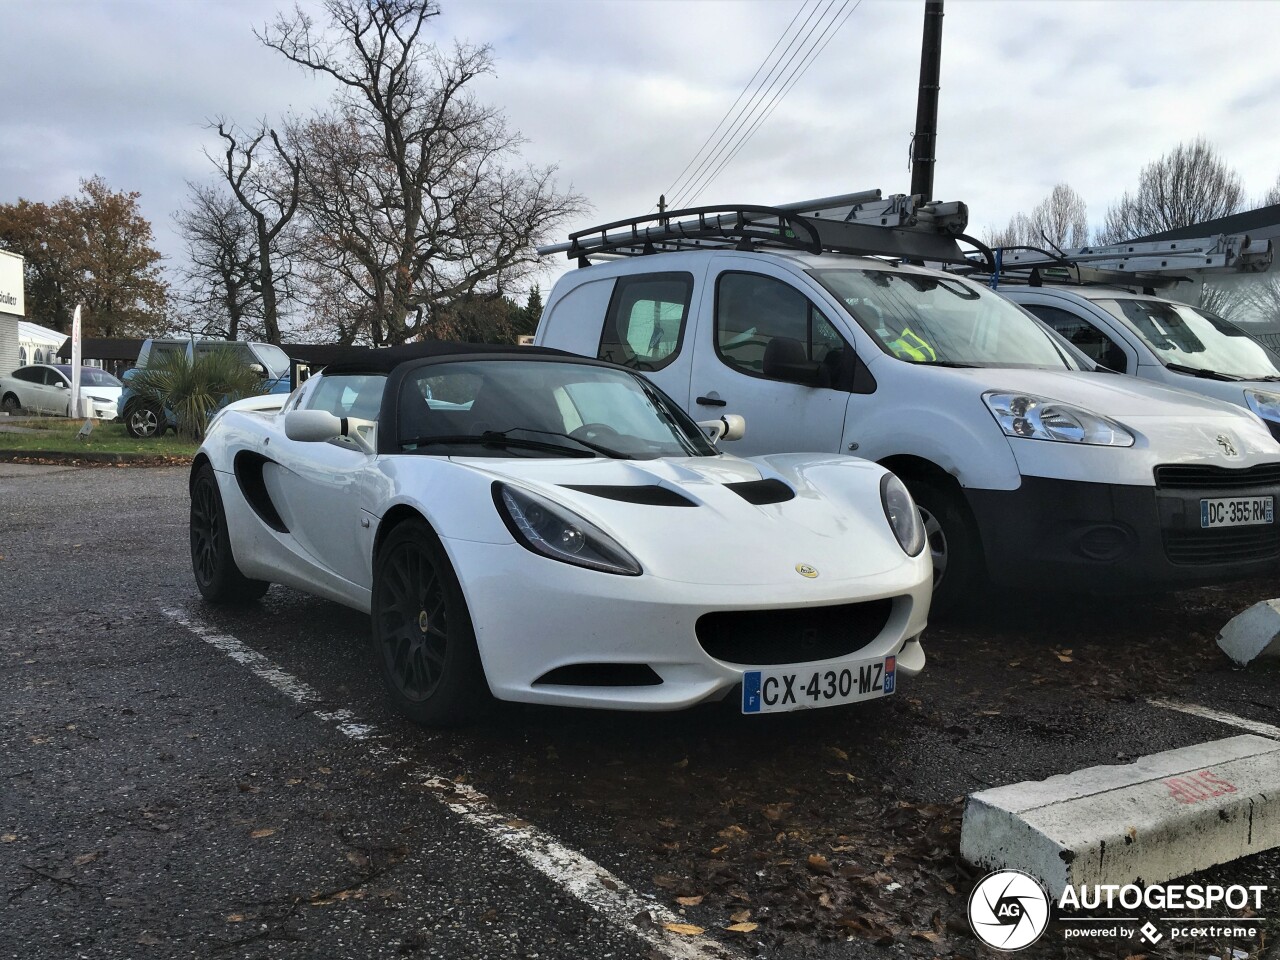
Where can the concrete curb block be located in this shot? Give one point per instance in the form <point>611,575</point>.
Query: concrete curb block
<point>89,456</point>
<point>1163,816</point>
<point>1252,635</point>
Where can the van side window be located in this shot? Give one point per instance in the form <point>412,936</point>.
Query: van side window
<point>767,328</point>
<point>1095,344</point>
<point>645,323</point>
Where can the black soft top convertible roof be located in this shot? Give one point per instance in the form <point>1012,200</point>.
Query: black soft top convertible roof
<point>386,359</point>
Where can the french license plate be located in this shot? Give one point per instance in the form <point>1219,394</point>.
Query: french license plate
<point>773,691</point>
<point>1236,511</point>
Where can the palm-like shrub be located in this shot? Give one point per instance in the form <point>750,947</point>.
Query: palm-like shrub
<point>195,389</point>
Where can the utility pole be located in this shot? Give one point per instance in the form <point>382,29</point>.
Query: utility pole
<point>924,143</point>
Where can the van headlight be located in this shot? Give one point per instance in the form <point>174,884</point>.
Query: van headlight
<point>545,527</point>
<point>903,516</point>
<point>1039,418</point>
<point>1264,404</point>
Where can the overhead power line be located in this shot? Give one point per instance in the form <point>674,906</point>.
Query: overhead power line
<point>797,47</point>
<point>792,80</point>
<point>712,134</point>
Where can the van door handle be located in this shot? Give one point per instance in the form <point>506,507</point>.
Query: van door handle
<point>711,402</point>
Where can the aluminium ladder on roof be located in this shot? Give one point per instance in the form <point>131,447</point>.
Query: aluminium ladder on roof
<point>864,223</point>
<point>1150,262</point>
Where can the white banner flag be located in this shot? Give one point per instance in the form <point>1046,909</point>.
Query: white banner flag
<point>73,409</point>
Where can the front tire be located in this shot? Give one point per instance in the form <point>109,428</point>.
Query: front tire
<point>142,421</point>
<point>217,576</point>
<point>954,544</point>
<point>423,640</point>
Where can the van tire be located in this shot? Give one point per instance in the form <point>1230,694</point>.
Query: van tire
<point>952,537</point>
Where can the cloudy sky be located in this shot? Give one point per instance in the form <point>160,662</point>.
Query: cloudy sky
<point>620,94</point>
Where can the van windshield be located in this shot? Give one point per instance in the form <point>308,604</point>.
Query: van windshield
<point>929,319</point>
<point>1187,337</point>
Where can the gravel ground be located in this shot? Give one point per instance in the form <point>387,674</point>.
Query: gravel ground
<point>157,799</point>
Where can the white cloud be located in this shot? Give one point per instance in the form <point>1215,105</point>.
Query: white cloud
<point>620,93</point>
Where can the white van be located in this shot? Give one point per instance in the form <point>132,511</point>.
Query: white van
<point>1161,340</point>
<point>1026,467</point>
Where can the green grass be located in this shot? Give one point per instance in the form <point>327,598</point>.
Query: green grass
<point>59,435</point>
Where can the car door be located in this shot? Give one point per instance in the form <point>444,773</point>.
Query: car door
<point>27,384</point>
<point>317,487</point>
<point>1099,341</point>
<point>57,392</point>
<point>766,351</point>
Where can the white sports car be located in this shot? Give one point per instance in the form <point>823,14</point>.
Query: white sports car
<point>541,527</point>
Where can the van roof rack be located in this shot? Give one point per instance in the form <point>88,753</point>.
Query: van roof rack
<point>1148,263</point>
<point>866,224</point>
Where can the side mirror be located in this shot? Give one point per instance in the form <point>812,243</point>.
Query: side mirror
<point>729,427</point>
<point>312,426</point>
<point>257,368</point>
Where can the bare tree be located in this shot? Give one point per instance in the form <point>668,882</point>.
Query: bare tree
<point>267,189</point>
<point>1273,195</point>
<point>405,177</point>
<point>1188,185</point>
<point>1061,219</point>
<point>222,259</point>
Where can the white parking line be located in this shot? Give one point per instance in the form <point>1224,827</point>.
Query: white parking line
<point>1221,716</point>
<point>575,873</point>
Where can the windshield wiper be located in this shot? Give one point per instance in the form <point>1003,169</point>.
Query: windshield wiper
<point>946,363</point>
<point>492,439</point>
<point>1201,372</point>
<point>597,447</point>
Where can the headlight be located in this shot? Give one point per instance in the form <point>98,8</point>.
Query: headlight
<point>1266,405</point>
<point>554,531</point>
<point>1039,418</point>
<point>902,513</point>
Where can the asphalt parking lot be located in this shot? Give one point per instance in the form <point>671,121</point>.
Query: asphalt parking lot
<point>178,780</point>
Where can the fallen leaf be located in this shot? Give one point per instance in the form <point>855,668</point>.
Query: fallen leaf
<point>926,935</point>
<point>1064,658</point>
<point>742,927</point>
<point>357,859</point>
<point>325,770</point>
<point>263,832</point>
<point>689,901</point>
<point>234,918</point>
<point>681,764</point>
<point>837,752</point>
<point>720,849</point>
<point>8,838</point>
<point>518,824</point>
<point>742,916</point>
<point>684,929</point>
<point>292,782</point>
<point>774,812</point>
<point>732,832</point>
<point>84,858</point>
<point>820,863</point>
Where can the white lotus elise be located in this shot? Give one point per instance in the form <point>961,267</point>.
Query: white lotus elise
<point>534,526</point>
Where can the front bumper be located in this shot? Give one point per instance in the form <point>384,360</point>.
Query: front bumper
<point>1120,538</point>
<point>533,615</point>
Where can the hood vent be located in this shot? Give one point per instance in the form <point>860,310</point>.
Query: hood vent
<point>651,494</point>
<point>761,492</point>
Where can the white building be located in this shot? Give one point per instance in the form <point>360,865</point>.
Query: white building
<point>37,344</point>
<point>12,309</point>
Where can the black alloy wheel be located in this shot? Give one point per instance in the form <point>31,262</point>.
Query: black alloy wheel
<point>217,576</point>
<point>10,405</point>
<point>423,640</point>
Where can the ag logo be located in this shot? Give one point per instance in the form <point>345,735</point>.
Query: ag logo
<point>1008,910</point>
<point>806,571</point>
<point>1227,446</point>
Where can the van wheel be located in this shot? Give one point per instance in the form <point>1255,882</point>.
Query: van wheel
<point>958,568</point>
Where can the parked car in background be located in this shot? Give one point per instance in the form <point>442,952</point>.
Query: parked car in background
<point>145,419</point>
<point>552,529</point>
<point>1031,470</point>
<point>46,388</point>
<point>1161,340</point>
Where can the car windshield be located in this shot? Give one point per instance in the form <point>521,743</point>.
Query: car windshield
<point>1187,337</point>
<point>275,359</point>
<point>536,408</point>
<point>946,321</point>
<point>91,376</point>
